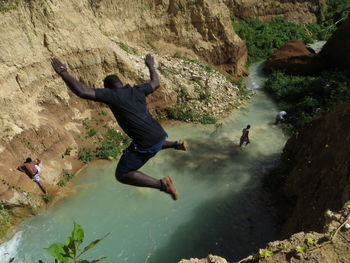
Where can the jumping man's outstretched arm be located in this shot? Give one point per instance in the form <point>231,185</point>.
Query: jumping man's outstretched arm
<point>73,84</point>
<point>154,82</point>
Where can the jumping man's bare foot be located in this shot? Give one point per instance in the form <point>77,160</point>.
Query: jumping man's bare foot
<point>181,145</point>
<point>170,188</point>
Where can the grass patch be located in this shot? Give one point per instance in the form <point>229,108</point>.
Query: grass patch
<point>110,145</point>
<point>186,114</point>
<point>126,48</point>
<point>6,5</point>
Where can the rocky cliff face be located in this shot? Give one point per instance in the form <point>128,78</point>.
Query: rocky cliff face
<point>291,10</point>
<point>41,118</point>
<point>320,171</point>
<point>337,49</point>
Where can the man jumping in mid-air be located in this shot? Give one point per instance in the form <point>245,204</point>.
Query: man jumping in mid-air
<point>129,107</point>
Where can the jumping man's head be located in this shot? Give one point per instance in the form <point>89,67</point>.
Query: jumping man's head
<point>28,160</point>
<point>112,81</point>
<point>248,126</point>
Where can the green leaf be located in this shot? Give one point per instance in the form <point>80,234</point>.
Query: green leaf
<point>265,253</point>
<point>57,251</point>
<point>91,261</point>
<point>347,203</point>
<point>281,247</point>
<point>92,244</point>
<point>11,260</point>
<point>300,249</point>
<point>309,241</point>
<point>78,232</point>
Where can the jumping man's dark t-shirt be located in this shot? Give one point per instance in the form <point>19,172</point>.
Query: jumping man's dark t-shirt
<point>129,107</point>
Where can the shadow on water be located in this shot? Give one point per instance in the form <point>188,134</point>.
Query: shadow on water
<point>232,226</point>
<point>210,160</point>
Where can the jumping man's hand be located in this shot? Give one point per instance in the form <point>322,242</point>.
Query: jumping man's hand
<point>58,66</point>
<point>149,61</point>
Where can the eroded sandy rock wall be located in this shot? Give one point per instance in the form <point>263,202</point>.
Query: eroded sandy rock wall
<point>291,10</point>
<point>40,117</point>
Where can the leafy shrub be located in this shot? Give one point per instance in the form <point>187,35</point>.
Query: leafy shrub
<point>264,37</point>
<point>102,112</point>
<point>68,150</point>
<point>61,183</point>
<point>303,97</point>
<point>181,114</point>
<point>68,175</point>
<point>85,155</point>
<point>111,145</point>
<point>47,198</point>
<point>70,249</point>
<point>91,131</point>
<point>208,120</point>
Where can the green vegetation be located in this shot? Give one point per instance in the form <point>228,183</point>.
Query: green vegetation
<point>265,253</point>
<point>91,131</point>
<point>309,241</point>
<point>102,112</point>
<point>126,48</point>
<point>188,115</point>
<point>61,183</point>
<point>110,145</point>
<point>68,150</point>
<point>300,249</point>
<point>85,155</point>
<point>5,218</point>
<point>331,13</point>
<point>304,97</point>
<point>70,250</point>
<point>6,5</point>
<point>47,198</point>
<point>263,38</point>
<point>68,175</point>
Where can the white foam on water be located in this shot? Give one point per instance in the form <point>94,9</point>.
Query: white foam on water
<point>256,77</point>
<point>8,249</point>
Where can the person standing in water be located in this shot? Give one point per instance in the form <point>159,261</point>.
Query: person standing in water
<point>245,136</point>
<point>32,169</point>
<point>129,107</point>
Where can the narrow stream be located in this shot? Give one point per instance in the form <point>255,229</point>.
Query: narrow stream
<point>221,210</point>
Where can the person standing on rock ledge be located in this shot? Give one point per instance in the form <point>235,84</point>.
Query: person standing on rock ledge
<point>32,169</point>
<point>129,107</point>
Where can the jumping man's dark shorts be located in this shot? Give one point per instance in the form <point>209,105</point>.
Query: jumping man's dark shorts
<point>134,157</point>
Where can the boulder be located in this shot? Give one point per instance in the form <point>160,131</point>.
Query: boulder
<point>296,59</point>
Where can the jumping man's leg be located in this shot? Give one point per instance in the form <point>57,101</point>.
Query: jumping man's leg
<point>127,173</point>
